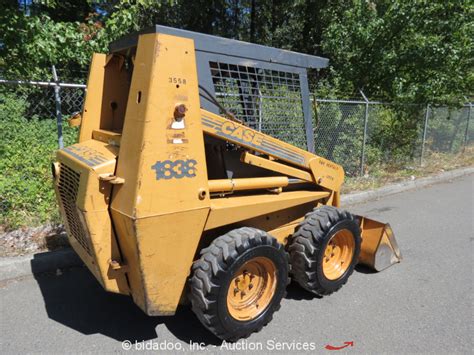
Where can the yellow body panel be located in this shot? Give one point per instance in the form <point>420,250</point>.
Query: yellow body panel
<point>93,101</point>
<point>232,209</point>
<point>112,138</point>
<point>159,213</point>
<point>167,245</point>
<point>149,132</point>
<point>284,232</point>
<point>90,229</point>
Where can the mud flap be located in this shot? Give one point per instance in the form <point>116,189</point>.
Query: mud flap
<point>379,249</point>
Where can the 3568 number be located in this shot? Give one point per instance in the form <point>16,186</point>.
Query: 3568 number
<point>175,80</point>
<point>177,169</point>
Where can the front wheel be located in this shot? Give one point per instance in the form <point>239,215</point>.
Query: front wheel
<point>238,283</point>
<point>324,250</point>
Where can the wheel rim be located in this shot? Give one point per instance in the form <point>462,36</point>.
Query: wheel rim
<point>338,254</point>
<point>251,289</point>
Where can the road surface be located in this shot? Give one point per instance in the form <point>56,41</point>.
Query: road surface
<point>423,304</point>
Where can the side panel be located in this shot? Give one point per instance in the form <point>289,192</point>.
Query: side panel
<point>167,245</point>
<point>280,224</point>
<point>115,94</point>
<point>84,202</point>
<point>160,211</point>
<point>229,210</point>
<point>107,92</point>
<point>93,102</point>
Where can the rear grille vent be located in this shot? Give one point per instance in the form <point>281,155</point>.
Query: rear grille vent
<point>68,189</point>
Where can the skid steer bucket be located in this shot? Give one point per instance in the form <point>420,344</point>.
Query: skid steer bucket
<point>379,249</point>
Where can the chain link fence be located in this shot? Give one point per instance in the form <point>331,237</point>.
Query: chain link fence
<point>41,99</point>
<point>448,130</point>
<point>339,132</point>
<point>362,134</point>
<point>357,134</point>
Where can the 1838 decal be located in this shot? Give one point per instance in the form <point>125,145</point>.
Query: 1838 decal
<point>177,169</point>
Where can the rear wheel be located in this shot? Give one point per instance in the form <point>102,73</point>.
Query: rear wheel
<point>324,250</point>
<point>238,283</point>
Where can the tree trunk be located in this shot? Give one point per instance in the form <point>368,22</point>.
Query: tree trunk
<point>252,21</point>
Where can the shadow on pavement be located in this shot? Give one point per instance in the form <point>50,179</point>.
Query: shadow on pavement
<point>296,292</point>
<point>75,299</point>
<point>364,269</point>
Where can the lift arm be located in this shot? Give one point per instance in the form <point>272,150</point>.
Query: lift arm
<point>322,171</point>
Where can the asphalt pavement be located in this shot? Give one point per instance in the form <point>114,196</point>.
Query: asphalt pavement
<point>422,305</point>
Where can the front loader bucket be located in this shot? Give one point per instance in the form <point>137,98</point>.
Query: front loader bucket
<point>379,249</point>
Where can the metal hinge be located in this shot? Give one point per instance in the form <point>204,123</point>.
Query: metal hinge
<point>114,180</point>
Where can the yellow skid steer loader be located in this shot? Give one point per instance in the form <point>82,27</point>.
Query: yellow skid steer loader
<point>176,192</point>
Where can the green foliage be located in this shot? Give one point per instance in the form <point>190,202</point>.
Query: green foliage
<point>27,147</point>
<point>37,42</point>
<point>410,51</point>
<point>394,133</point>
<point>446,129</point>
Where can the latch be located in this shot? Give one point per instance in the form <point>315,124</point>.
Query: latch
<point>75,120</point>
<point>116,266</point>
<point>114,180</point>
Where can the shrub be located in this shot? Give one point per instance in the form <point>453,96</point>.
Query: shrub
<point>27,148</point>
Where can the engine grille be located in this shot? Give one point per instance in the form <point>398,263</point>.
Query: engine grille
<point>68,188</point>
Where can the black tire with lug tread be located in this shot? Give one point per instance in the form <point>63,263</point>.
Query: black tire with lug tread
<point>308,245</point>
<point>214,271</point>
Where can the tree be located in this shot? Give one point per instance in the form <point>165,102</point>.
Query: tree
<point>415,51</point>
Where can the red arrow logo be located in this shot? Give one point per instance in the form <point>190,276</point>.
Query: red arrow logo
<point>347,343</point>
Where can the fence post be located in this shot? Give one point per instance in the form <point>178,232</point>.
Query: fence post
<point>260,106</point>
<point>59,118</point>
<point>425,126</point>
<point>308,119</point>
<point>364,139</point>
<point>466,134</point>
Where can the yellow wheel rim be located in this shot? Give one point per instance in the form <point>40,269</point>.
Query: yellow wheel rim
<point>338,254</point>
<point>251,289</point>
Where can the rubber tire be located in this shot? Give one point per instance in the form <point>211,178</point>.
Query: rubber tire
<point>213,272</point>
<point>309,242</point>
